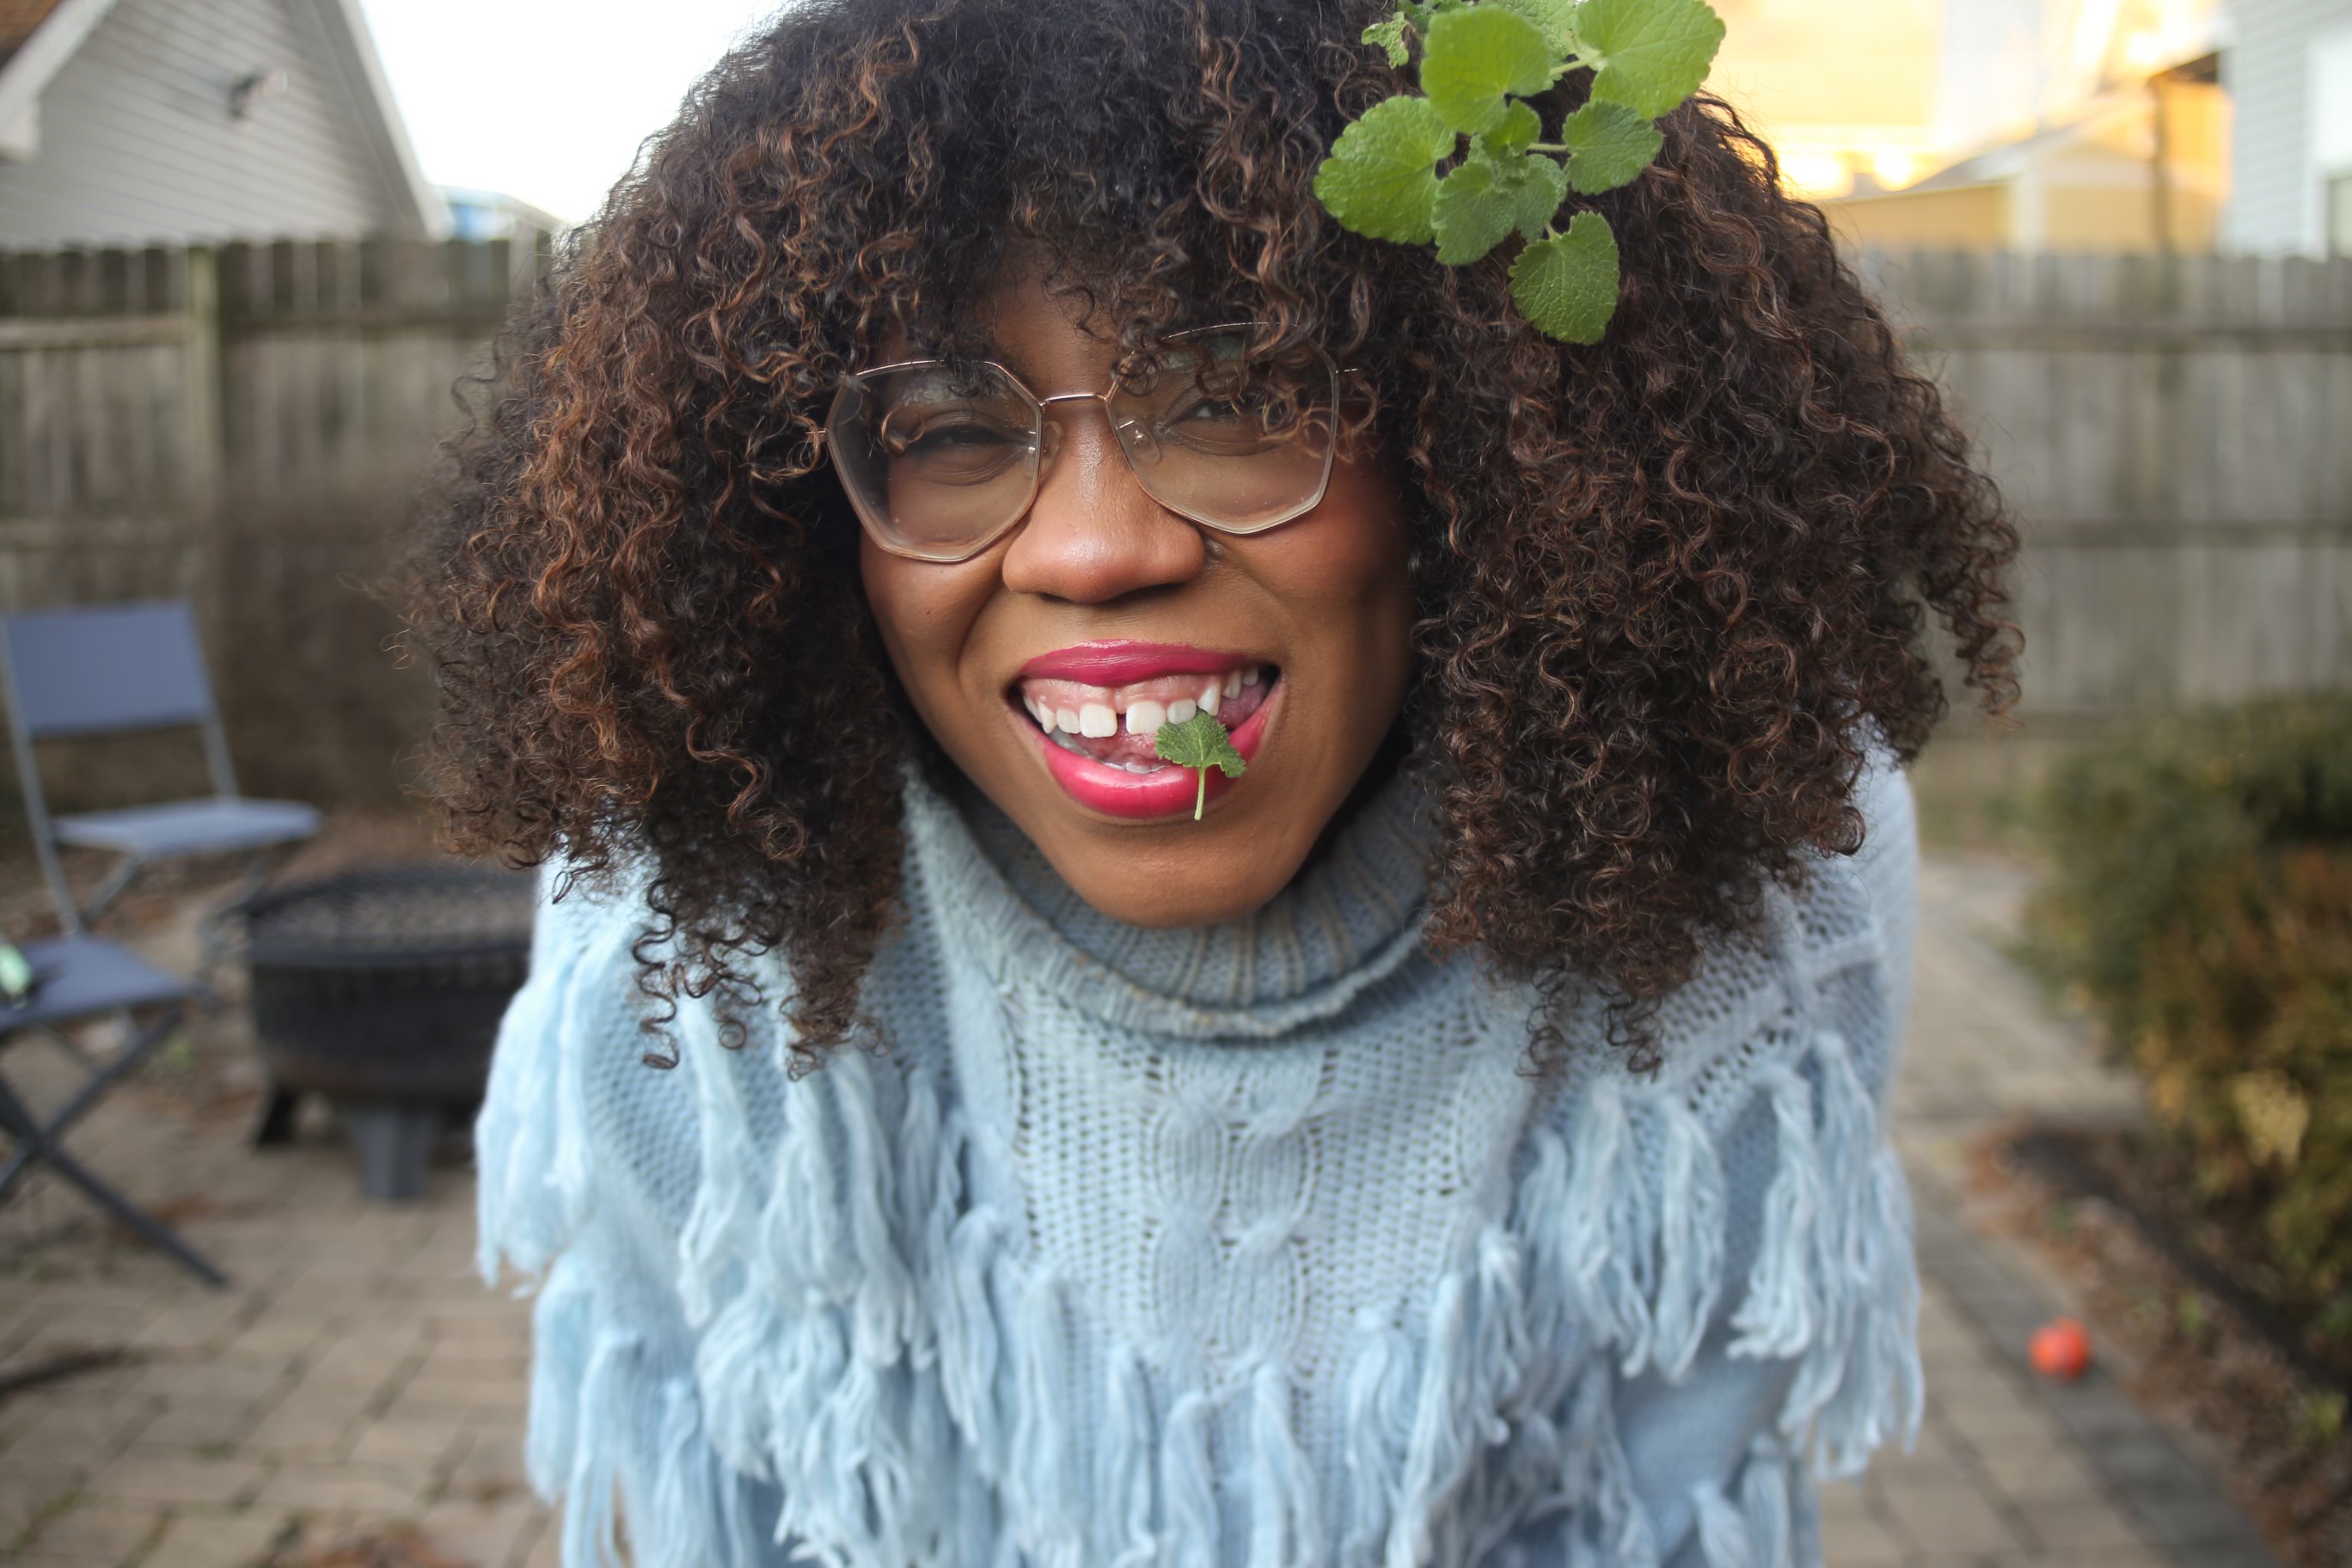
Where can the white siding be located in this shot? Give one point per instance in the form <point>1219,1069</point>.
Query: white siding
<point>138,145</point>
<point>1991,81</point>
<point>2274,205</point>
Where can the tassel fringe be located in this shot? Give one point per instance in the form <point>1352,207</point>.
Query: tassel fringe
<point>855,1328</point>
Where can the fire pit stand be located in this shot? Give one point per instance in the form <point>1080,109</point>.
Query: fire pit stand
<point>382,988</point>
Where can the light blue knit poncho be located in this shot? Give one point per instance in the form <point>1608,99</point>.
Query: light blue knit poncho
<point>1246,1246</point>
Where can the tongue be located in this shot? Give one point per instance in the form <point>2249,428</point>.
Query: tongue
<point>1116,749</point>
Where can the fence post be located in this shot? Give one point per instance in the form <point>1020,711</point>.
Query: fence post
<point>201,380</point>
<point>203,389</point>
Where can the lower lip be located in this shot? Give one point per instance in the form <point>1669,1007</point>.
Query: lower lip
<point>1115,792</point>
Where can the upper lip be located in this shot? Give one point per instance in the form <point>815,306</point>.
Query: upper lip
<point>1115,661</point>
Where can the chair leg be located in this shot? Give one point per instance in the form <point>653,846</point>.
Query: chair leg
<point>18,1121</point>
<point>68,1048</point>
<point>219,932</point>
<point>112,888</point>
<point>140,1043</point>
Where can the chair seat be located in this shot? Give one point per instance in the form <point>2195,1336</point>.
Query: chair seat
<point>78,976</point>
<point>219,824</point>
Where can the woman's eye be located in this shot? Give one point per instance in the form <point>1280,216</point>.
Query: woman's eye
<point>952,441</point>
<point>1249,420</point>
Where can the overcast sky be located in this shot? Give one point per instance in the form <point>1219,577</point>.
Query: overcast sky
<point>546,99</point>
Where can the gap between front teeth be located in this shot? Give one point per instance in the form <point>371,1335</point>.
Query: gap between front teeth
<point>1144,715</point>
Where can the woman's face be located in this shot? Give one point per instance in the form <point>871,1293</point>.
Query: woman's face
<point>1101,599</point>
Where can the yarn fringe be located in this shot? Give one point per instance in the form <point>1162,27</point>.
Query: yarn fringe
<point>1757,1529</point>
<point>851,1329</point>
<point>613,1431</point>
<point>522,1215</point>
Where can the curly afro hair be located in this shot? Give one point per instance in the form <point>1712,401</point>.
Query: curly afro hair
<point>1672,588</point>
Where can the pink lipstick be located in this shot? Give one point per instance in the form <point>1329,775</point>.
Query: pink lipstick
<point>1095,709</point>
<point>1115,661</point>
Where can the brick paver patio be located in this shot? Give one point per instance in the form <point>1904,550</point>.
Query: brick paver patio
<point>357,1377</point>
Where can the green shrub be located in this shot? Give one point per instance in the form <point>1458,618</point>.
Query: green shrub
<point>2201,900</point>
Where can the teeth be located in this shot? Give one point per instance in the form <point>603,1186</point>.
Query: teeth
<point>1127,709</point>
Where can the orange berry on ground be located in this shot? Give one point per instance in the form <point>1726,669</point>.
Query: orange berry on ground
<point>2060,1349</point>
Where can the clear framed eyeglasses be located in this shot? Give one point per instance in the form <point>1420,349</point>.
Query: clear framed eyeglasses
<point>942,457</point>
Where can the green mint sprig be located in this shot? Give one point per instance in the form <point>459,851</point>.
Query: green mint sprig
<point>1479,64</point>
<point>1200,742</point>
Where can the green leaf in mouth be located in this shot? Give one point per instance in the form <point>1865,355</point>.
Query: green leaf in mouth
<point>1202,744</point>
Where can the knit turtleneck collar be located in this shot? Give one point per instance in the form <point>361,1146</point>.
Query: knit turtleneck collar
<point>1352,916</point>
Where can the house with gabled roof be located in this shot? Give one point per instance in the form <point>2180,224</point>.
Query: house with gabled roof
<point>134,122</point>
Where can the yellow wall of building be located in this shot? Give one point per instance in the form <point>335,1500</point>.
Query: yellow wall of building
<point>1829,62</point>
<point>1964,218</point>
<point>1834,86</point>
<point>2097,186</point>
<point>1845,92</point>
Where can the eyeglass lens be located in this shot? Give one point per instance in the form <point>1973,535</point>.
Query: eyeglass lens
<point>940,458</point>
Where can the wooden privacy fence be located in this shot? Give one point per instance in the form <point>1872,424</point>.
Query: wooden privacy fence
<point>246,425</point>
<point>2175,434</point>
<point>141,392</point>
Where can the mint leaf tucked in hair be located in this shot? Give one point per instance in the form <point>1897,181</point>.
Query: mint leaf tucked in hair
<point>1609,145</point>
<point>1382,176</point>
<point>1389,37</point>
<point>1557,282</point>
<point>1200,742</point>
<point>1474,57</point>
<point>1653,54</point>
<point>1480,64</point>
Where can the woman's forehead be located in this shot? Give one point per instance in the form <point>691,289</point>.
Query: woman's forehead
<point>1047,337</point>
<point>1038,306</point>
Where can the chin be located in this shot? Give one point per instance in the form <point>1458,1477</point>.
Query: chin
<point>1149,901</point>
<point>1170,873</point>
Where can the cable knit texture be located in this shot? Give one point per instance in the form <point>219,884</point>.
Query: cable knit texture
<point>1239,1246</point>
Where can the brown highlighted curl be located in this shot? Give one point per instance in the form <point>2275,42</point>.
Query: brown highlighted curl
<point>1672,588</point>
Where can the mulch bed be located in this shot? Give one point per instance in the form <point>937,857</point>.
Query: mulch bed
<point>2210,1335</point>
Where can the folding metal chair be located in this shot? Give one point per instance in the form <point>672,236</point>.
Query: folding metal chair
<point>111,668</point>
<point>77,977</point>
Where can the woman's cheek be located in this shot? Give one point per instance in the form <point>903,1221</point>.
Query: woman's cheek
<point>926,613</point>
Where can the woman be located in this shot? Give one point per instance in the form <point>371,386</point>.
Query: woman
<point>1458,1144</point>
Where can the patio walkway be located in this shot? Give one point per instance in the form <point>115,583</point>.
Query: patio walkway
<point>358,1375</point>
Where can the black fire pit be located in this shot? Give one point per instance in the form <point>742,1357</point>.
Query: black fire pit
<point>382,989</point>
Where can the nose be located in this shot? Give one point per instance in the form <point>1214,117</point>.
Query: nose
<point>1094,534</point>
